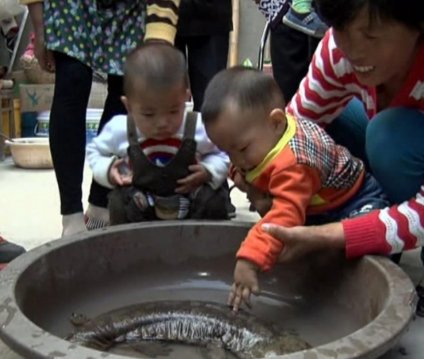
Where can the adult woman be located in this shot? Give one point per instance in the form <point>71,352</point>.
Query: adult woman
<point>375,53</point>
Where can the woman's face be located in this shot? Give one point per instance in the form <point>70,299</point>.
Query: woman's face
<point>381,51</point>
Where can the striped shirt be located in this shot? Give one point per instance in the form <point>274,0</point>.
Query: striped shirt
<point>323,94</point>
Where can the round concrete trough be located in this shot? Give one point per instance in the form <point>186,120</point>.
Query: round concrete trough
<point>344,309</point>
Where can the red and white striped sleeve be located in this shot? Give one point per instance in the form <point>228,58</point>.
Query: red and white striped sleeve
<point>328,86</point>
<point>387,231</point>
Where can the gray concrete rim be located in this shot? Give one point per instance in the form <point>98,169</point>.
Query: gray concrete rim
<point>31,341</point>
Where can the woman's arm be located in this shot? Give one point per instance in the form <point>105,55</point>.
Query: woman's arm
<point>45,57</point>
<point>162,19</point>
<point>327,87</point>
<point>301,240</point>
<point>387,231</point>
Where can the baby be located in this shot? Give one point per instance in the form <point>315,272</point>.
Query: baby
<point>159,159</point>
<point>292,171</point>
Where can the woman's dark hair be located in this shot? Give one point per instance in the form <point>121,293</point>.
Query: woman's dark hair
<point>247,88</point>
<point>339,13</point>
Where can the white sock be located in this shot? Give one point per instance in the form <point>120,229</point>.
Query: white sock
<point>73,224</point>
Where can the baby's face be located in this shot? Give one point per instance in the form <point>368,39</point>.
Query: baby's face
<point>244,136</point>
<point>158,113</point>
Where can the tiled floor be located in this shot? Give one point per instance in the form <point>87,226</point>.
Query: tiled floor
<point>29,215</point>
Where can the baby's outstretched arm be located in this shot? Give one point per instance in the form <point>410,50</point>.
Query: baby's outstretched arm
<point>245,283</point>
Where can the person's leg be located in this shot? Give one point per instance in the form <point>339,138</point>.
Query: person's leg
<point>349,129</point>
<point>207,55</point>
<point>208,203</point>
<point>97,215</point>
<point>67,136</point>
<point>290,57</point>
<point>395,150</point>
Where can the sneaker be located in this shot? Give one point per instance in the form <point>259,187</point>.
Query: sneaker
<point>310,23</point>
<point>94,223</point>
<point>231,209</point>
<point>9,251</point>
<point>96,217</point>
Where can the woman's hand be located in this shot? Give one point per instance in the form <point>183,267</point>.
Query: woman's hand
<point>44,56</point>
<point>301,240</point>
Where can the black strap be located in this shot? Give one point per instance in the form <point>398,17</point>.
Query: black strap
<point>189,129</point>
<point>190,125</point>
<point>131,131</point>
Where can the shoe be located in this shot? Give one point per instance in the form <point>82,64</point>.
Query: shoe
<point>96,217</point>
<point>231,209</point>
<point>310,23</point>
<point>9,251</point>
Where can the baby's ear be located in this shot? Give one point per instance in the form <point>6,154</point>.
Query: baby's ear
<point>278,117</point>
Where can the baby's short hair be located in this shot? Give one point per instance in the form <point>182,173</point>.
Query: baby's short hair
<point>247,88</point>
<point>155,64</point>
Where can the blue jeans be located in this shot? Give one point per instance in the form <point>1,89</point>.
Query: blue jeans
<point>369,197</point>
<point>392,143</point>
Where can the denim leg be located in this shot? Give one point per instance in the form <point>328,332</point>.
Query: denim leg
<point>395,148</point>
<point>349,129</point>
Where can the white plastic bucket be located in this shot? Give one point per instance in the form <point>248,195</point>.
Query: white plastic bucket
<point>42,126</point>
<point>91,123</point>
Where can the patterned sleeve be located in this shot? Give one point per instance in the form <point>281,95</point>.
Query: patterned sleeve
<point>162,19</point>
<point>387,231</point>
<point>328,86</point>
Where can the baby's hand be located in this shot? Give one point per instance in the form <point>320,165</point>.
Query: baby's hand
<point>199,175</point>
<point>119,173</point>
<point>239,181</point>
<point>261,201</point>
<point>245,282</point>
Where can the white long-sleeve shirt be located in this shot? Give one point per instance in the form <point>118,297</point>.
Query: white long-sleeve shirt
<point>112,143</point>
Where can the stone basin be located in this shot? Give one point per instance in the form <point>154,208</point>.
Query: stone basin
<point>345,310</point>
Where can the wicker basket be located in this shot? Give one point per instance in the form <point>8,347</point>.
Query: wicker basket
<point>31,152</point>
